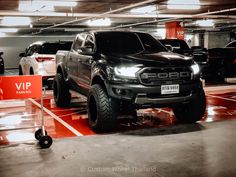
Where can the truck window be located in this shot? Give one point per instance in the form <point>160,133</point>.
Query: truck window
<point>151,44</point>
<point>89,42</point>
<point>78,42</point>
<point>118,42</point>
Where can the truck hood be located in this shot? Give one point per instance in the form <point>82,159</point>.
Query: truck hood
<point>152,59</point>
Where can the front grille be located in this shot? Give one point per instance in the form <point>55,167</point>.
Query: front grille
<point>168,75</point>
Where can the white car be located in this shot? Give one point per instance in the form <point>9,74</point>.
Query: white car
<point>40,59</point>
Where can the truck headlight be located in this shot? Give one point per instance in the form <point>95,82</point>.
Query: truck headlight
<point>195,68</point>
<point>127,72</point>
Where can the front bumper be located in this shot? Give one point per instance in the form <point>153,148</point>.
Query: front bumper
<point>150,96</point>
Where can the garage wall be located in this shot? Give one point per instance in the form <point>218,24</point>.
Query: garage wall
<point>12,46</point>
<point>196,40</point>
<point>216,39</point>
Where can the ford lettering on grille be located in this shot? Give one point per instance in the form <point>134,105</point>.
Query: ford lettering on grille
<point>165,75</point>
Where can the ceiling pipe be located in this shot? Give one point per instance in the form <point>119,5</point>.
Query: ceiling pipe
<point>102,14</point>
<point>175,18</point>
<point>91,15</point>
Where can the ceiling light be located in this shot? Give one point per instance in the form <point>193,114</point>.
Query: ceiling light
<point>183,4</point>
<point>8,30</point>
<point>63,3</point>
<point>33,6</point>
<point>99,22</point>
<point>144,9</point>
<point>16,21</point>
<point>43,6</point>
<point>205,23</point>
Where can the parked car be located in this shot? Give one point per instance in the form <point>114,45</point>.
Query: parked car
<point>121,71</point>
<point>199,54</point>
<point>1,63</point>
<point>39,58</point>
<point>222,61</point>
<point>179,46</point>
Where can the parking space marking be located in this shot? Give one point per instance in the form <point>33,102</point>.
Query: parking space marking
<point>77,133</point>
<point>228,99</point>
<point>168,112</point>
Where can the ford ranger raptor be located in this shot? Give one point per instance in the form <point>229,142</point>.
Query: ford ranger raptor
<point>122,71</point>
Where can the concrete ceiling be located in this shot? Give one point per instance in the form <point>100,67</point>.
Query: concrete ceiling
<point>71,20</point>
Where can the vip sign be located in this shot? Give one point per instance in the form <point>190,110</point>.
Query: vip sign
<point>20,87</point>
<point>23,87</point>
<point>180,33</point>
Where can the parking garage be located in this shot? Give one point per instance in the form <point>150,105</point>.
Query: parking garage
<point>117,88</point>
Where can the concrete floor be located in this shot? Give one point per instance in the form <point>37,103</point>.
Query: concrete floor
<point>202,150</point>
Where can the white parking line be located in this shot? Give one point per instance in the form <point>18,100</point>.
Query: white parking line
<point>168,112</point>
<point>228,99</point>
<point>77,133</point>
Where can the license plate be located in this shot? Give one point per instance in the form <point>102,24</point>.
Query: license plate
<point>169,89</point>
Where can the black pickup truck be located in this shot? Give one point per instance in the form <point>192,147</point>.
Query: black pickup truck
<point>222,61</point>
<point>121,72</point>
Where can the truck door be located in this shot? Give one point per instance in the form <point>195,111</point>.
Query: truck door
<point>84,67</point>
<point>73,59</point>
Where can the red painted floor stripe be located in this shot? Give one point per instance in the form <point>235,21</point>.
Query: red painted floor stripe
<point>75,118</point>
<point>220,106</point>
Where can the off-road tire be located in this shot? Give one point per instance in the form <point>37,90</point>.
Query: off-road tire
<point>62,96</point>
<point>102,113</point>
<point>191,112</point>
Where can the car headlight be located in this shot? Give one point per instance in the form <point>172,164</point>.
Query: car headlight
<point>195,68</point>
<point>127,72</point>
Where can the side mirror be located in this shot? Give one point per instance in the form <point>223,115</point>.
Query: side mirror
<point>169,47</point>
<point>21,54</point>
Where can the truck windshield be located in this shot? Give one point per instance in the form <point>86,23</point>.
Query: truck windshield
<point>178,44</point>
<point>52,48</point>
<point>150,44</point>
<point>127,43</point>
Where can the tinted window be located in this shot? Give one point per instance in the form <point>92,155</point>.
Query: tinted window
<point>78,42</point>
<point>118,42</point>
<point>232,44</point>
<point>52,48</point>
<point>151,44</point>
<point>33,49</point>
<point>184,45</point>
<point>89,42</point>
